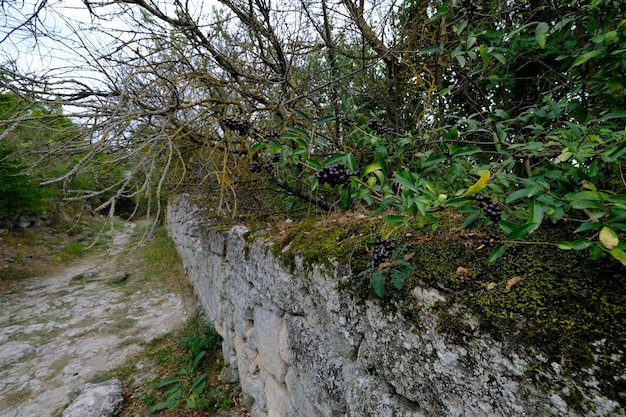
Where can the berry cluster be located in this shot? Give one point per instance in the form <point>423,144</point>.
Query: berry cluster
<point>492,240</point>
<point>380,128</point>
<point>238,125</point>
<point>489,207</point>
<point>382,250</point>
<point>259,166</point>
<point>256,166</point>
<point>346,120</point>
<point>334,174</point>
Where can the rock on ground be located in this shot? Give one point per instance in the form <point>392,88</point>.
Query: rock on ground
<point>97,400</point>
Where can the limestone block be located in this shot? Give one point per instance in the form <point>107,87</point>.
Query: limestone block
<point>279,402</point>
<point>301,400</point>
<point>267,328</point>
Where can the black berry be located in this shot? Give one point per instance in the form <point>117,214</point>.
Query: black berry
<point>255,166</point>
<point>238,125</point>
<point>334,175</point>
<point>490,207</point>
<point>382,251</point>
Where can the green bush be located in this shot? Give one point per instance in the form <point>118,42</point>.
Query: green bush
<point>20,192</point>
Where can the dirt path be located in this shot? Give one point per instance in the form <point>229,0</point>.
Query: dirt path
<point>59,331</point>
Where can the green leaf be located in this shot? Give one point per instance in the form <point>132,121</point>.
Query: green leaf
<point>350,162</point>
<point>586,57</point>
<point>619,254</point>
<point>470,219</point>
<point>540,34</point>
<point>378,284</point>
<point>345,197</point>
<point>588,195</point>
<point>536,214</point>
<point>365,195</point>
<point>469,150</point>
<point>300,132</point>
<point>405,183</point>
<point>375,166</point>
<point>302,115</point>
<point>620,114</point>
<point>397,278</point>
<point>595,252</point>
<point>435,159</point>
<point>497,252</point>
<point>301,142</point>
<point>564,245</point>
<point>396,220</point>
<point>458,201</point>
<point>533,190</point>
<point>325,120</point>
<point>169,381</point>
<point>580,244</point>
<point>321,140</point>
<point>618,199</point>
<point>461,60</point>
<point>587,226</point>
<point>257,147</point>
<point>619,226</point>
<point>314,163</point>
<point>516,195</point>
<point>334,159</point>
<point>612,154</point>
<point>499,57</point>
<point>522,231</point>
<point>507,227</point>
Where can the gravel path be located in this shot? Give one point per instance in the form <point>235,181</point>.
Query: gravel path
<point>57,332</point>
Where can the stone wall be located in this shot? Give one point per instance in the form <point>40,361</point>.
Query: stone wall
<point>300,347</point>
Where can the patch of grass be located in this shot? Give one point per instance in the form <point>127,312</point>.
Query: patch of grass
<point>16,396</point>
<point>56,367</point>
<point>72,250</point>
<point>125,324</point>
<point>165,358</point>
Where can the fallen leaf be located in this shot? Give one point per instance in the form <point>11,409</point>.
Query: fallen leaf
<point>409,256</point>
<point>462,270</point>
<point>513,282</point>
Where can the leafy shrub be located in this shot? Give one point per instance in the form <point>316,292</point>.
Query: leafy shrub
<point>20,192</point>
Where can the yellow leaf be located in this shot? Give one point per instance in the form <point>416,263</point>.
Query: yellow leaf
<point>608,238</point>
<point>480,184</point>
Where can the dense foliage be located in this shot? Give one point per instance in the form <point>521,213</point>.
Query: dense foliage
<point>527,106</point>
<point>510,112</point>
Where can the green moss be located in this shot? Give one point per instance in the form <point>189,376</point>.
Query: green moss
<point>567,308</point>
<point>564,305</point>
<point>323,240</point>
<point>250,236</point>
